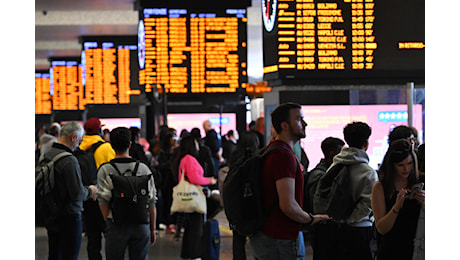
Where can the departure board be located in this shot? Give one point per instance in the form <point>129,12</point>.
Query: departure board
<point>193,51</point>
<point>42,93</point>
<point>66,83</point>
<point>333,40</point>
<point>110,69</point>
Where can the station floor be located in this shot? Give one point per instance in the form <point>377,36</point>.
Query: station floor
<point>165,248</point>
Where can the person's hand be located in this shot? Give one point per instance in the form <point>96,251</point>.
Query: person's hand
<point>93,192</point>
<point>402,195</point>
<point>153,237</point>
<point>318,218</point>
<point>213,180</point>
<point>420,197</point>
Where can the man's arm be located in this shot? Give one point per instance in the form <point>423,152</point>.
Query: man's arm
<point>286,189</point>
<point>104,210</point>
<point>153,219</point>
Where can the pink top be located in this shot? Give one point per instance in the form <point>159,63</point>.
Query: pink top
<point>193,171</point>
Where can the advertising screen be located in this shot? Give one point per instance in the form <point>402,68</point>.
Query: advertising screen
<point>325,121</point>
<point>191,120</point>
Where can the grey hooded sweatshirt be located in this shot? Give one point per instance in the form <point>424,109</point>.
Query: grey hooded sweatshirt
<point>363,178</point>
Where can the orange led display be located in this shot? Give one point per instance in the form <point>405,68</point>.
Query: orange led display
<point>110,69</point>
<point>67,88</point>
<point>194,52</point>
<point>42,93</point>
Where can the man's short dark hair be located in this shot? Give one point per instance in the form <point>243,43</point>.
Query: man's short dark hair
<point>134,132</point>
<point>281,114</point>
<point>120,138</point>
<point>399,132</point>
<point>356,134</point>
<point>330,144</point>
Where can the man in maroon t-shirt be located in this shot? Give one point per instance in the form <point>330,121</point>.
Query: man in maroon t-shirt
<point>283,187</point>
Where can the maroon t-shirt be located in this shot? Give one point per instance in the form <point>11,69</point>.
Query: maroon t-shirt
<point>279,164</point>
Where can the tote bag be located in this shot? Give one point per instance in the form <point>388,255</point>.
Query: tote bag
<point>188,197</point>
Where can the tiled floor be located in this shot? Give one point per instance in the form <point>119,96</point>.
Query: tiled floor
<point>165,248</point>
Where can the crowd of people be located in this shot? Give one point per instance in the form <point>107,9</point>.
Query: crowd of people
<point>389,205</point>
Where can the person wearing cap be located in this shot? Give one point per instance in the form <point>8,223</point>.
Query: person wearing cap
<point>104,153</point>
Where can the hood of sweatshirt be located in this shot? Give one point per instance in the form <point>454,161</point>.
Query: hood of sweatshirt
<point>351,155</point>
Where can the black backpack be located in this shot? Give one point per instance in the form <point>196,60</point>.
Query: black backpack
<point>88,164</point>
<point>48,204</point>
<point>243,194</point>
<point>310,184</point>
<point>333,195</point>
<point>130,195</point>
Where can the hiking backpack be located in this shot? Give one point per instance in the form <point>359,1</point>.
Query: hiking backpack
<point>243,194</point>
<point>48,205</point>
<point>87,163</point>
<point>130,195</point>
<point>333,195</point>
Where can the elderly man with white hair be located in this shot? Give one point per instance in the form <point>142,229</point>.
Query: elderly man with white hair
<point>64,235</point>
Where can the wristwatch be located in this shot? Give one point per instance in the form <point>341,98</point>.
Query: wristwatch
<point>312,218</point>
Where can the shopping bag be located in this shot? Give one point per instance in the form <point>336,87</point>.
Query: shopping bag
<point>188,198</point>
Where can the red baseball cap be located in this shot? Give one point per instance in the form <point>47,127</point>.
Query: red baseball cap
<point>93,126</point>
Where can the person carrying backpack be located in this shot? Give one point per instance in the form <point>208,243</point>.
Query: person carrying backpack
<point>283,189</point>
<point>64,235</point>
<point>127,198</point>
<point>99,152</point>
<point>347,235</point>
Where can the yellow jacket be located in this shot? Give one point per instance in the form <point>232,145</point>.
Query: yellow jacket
<point>104,153</point>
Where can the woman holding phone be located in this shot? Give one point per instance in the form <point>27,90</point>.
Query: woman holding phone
<point>397,199</point>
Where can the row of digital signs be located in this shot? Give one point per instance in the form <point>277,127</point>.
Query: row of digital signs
<point>337,40</point>
<point>204,50</point>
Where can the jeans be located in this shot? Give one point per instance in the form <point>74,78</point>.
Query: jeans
<point>267,248</point>
<point>65,241</point>
<point>118,237</point>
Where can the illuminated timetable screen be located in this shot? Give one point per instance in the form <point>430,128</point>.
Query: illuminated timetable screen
<point>191,51</point>
<point>110,69</point>
<point>66,85</point>
<point>343,39</point>
<point>42,93</point>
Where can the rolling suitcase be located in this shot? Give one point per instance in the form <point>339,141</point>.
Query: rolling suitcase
<point>211,240</point>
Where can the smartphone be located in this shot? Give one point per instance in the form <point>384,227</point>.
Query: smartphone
<point>415,188</point>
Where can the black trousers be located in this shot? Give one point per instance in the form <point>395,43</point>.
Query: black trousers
<point>94,226</point>
<point>334,241</point>
<point>192,241</point>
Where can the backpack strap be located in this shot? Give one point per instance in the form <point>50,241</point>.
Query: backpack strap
<point>133,173</point>
<point>269,150</point>
<point>53,161</point>
<point>60,156</point>
<point>95,146</point>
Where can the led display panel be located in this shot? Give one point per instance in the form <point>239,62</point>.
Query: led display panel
<point>110,69</point>
<point>42,93</point>
<point>192,51</point>
<point>333,40</point>
<point>325,121</point>
<point>66,88</point>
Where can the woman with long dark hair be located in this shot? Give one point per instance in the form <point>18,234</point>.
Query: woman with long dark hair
<point>192,242</point>
<point>396,201</point>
